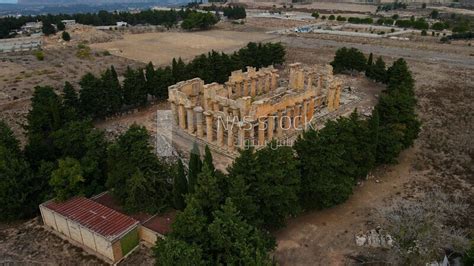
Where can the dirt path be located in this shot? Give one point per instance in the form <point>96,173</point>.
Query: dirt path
<point>327,237</point>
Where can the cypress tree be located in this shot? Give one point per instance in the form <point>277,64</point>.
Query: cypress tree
<point>152,81</point>
<point>379,71</point>
<point>369,72</point>
<point>195,165</point>
<point>112,91</point>
<point>70,102</point>
<point>91,97</point>
<point>44,118</point>
<point>179,187</point>
<point>208,159</point>
<point>70,98</point>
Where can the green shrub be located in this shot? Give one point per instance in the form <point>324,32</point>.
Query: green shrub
<point>65,36</point>
<point>39,55</point>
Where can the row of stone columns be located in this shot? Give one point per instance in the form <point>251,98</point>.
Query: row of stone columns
<point>255,85</point>
<point>224,127</point>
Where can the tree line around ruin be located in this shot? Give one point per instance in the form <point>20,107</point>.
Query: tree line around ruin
<point>99,97</point>
<point>223,218</point>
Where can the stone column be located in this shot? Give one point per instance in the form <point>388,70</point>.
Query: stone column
<point>216,106</point>
<point>297,113</point>
<point>245,89</point>
<point>311,107</point>
<point>242,127</point>
<point>230,87</point>
<point>190,118</point>
<point>174,111</point>
<point>209,126</point>
<point>304,115</point>
<point>238,89</point>
<point>330,98</point>
<point>289,120</point>
<point>253,86</point>
<point>181,116</point>
<point>199,123</point>
<point>220,130</point>
<point>251,127</point>
<point>267,82</point>
<point>271,126</point>
<point>261,131</point>
<point>280,124</point>
<point>261,83</point>
<point>337,98</point>
<point>309,82</point>
<point>274,81</point>
<point>230,137</point>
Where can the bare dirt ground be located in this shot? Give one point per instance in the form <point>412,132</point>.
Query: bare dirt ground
<point>441,156</point>
<point>161,48</point>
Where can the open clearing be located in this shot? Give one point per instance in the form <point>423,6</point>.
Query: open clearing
<point>161,47</point>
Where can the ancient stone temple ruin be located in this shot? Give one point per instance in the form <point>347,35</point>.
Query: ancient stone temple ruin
<point>253,107</point>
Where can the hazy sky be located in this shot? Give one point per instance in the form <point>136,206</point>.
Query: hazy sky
<point>8,1</point>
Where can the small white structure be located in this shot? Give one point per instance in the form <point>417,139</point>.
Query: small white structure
<point>69,22</point>
<point>122,24</point>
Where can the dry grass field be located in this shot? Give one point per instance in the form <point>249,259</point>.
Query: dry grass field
<point>161,47</point>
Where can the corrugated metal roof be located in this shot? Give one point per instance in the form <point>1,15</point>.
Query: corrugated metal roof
<point>94,216</point>
<point>161,223</point>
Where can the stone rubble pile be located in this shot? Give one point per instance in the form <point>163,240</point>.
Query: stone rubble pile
<point>376,238</point>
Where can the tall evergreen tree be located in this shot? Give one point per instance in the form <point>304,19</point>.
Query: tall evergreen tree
<point>369,72</point>
<point>179,70</point>
<point>112,91</point>
<point>324,182</point>
<point>195,165</point>
<point>208,192</point>
<point>208,159</point>
<point>278,184</point>
<point>180,188</point>
<point>70,97</point>
<point>19,191</point>
<point>91,97</point>
<point>81,141</point>
<point>135,88</point>
<point>234,241</point>
<point>171,251</point>
<point>242,177</point>
<point>379,71</point>
<point>43,119</point>
<point>152,80</point>
<point>132,156</point>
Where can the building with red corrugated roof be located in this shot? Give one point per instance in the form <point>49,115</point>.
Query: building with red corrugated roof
<point>102,230</point>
